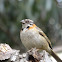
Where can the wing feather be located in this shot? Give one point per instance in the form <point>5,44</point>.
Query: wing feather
<point>43,34</point>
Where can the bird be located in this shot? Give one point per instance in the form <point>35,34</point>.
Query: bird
<point>32,36</point>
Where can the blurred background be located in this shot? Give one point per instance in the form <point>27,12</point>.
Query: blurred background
<point>46,14</point>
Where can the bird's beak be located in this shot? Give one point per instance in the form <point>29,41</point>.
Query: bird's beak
<point>22,21</point>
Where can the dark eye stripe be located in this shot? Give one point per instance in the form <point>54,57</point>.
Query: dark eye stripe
<point>23,23</point>
<point>31,24</point>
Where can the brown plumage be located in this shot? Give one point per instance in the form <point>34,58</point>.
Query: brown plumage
<point>32,36</point>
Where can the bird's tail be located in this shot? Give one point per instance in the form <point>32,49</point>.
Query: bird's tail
<point>55,56</point>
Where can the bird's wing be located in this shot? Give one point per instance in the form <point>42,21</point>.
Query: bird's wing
<point>43,34</point>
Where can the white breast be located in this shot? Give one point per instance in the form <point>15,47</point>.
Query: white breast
<point>31,39</point>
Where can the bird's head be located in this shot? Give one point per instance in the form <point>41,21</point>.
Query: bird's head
<point>26,23</point>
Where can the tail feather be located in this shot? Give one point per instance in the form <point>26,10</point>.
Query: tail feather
<point>55,56</point>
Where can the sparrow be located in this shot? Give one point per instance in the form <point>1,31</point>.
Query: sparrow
<point>32,36</point>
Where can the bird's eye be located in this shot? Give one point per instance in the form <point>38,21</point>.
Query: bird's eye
<point>27,26</point>
<point>30,24</point>
<point>23,23</point>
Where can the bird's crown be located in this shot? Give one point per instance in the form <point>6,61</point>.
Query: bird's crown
<point>28,21</point>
